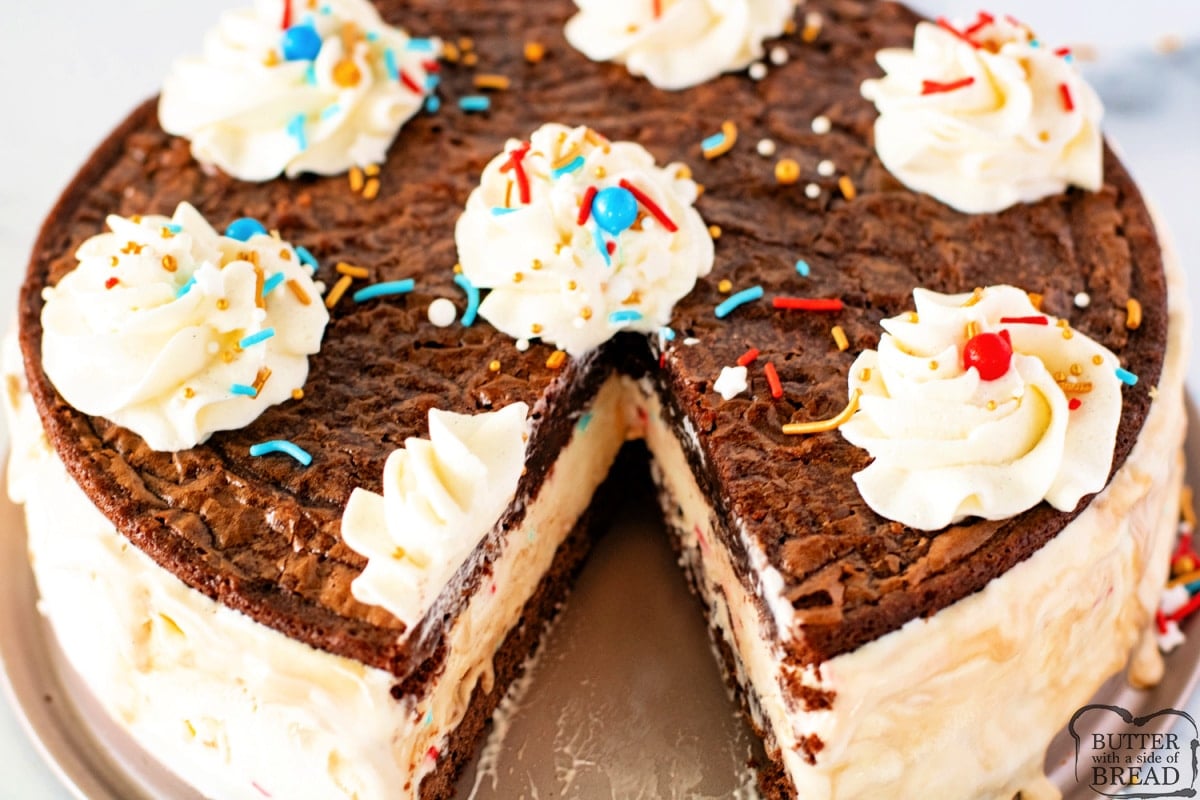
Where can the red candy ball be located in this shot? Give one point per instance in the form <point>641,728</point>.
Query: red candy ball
<point>990,353</point>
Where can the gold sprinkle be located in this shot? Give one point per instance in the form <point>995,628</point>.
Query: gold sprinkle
<point>537,264</point>
<point>398,553</point>
<point>115,261</point>
<point>1133,314</point>
<point>558,248</point>
<point>1097,360</point>
<point>450,52</point>
<point>1035,300</point>
<point>594,139</point>
<point>975,297</point>
<point>351,270</point>
<point>297,394</point>
<point>799,428</point>
<point>839,336</point>
<point>1075,388</point>
<point>725,286</point>
<point>699,190</point>
<point>470,59</point>
<point>371,170</point>
<point>972,330</point>
<point>1062,323</point>
<point>812,27</point>
<point>518,277</point>
<point>535,329</point>
<point>534,52</point>
<point>585,312</point>
<point>865,374</point>
<point>601,172</point>
<point>457,269</point>
<point>1067,334</point>
<point>1076,370</point>
<point>356,180</point>
<point>991,405</point>
<point>222,304</point>
<point>847,187</point>
<point>633,299</point>
<point>260,380</point>
<point>914,317</point>
<point>491,81</point>
<point>1187,507</point>
<point>259,280</point>
<point>346,73</point>
<point>189,392</point>
<point>508,195</point>
<point>169,263</point>
<point>371,191</point>
<point>228,356</point>
<point>167,233</point>
<point>572,286</point>
<point>494,366</point>
<point>299,292</point>
<point>136,219</point>
<point>191,729</point>
<point>683,173</point>
<point>285,254</point>
<point>789,27</point>
<point>338,290</point>
<point>271,59</point>
<point>1044,136</point>
<point>933,365</point>
<point>787,171</point>
<point>132,248</point>
<point>1060,376</point>
<point>714,231</point>
<point>466,43</point>
<point>729,135</point>
<point>556,359</point>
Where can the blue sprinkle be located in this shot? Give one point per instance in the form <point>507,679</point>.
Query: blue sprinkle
<point>429,718</point>
<point>573,165</point>
<point>585,419</point>
<point>667,333</point>
<point>244,390</point>
<point>271,283</point>
<point>624,315</point>
<point>185,288</point>
<point>330,111</point>
<point>1069,58</point>
<point>714,141</point>
<point>310,75</point>
<point>296,128</point>
<point>598,238</point>
<point>739,299</point>
<point>802,268</point>
<point>326,10</point>
<point>301,43</point>
<point>420,45</point>
<point>1034,43</point>
<point>432,81</point>
<point>281,446</point>
<point>433,104</point>
<point>474,102</point>
<point>173,228</point>
<point>307,258</point>
<point>384,289</point>
<point>373,36</point>
<point>389,61</point>
<point>468,317</point>
<point>1126,377</point>
<point>244,228</point>
<point>500,211</point>
<point>255,338</point>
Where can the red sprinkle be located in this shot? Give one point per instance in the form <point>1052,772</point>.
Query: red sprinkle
<point>1186,611</point>
<point>657,8</point>
<point>110,283</point>
<point>807,304</point>
<point>1024,321</point>
<point>261,790</point>
<point>610,246</point>
<point>585,208</point>
<point>286,23</point>
<point>945,25</point>
<point>1062,51</point>
<point>432,752</point>
<point>773,380</point>
<point>1068,103</point>
<point>747,358</point>
<point>936,87</point>
<point>515,159</point>
<point>650,205</point>
<point>411,83</point>
<point>982,22</point>
<point>431,66</point>
<point>1074,403</point>
<point>1160,620</point>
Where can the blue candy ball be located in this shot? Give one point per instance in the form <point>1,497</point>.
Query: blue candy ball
<point>242,229</point>
<point>301,43</point>
<point>614,209</point>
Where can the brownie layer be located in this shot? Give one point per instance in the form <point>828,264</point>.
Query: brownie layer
<point>262,534</point>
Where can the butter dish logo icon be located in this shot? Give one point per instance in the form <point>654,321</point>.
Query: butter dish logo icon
<point>1119,755</point>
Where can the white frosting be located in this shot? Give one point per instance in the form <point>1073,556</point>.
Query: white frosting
<point>1006,138</point>
<point>123,339</point>
<point>549,276</point>
<point>441,496</point>
<point>687,43</point>
<point>947,444</point>
<point>255,115</point>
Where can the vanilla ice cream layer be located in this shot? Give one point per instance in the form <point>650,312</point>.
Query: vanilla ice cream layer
<point>964,703</point>
<point>239,710</point>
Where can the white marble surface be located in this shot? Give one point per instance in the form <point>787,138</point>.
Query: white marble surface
<point>71,70</point>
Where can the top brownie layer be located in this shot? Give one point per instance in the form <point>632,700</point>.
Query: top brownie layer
<point>261,535</point>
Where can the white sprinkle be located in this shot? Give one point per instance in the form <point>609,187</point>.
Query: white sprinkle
<point>826,168</point>
<point>1174,599</point>
<point>758,71</point>
<point>259,315</point>
<point>812,191</point>
<point>691,341</point>
<point>1171,639</point>
<point>821,125</point>
<point>1083,300</point>
<point>731,382</point>
<point>442,312</point>
<point>779,55</point>
<point>522,345</point>
<point>766,148</point>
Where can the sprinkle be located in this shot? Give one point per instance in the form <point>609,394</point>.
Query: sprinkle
<point>757,71</point>
<point>281,446</point>
<point>714,231</point>
<point>798,428</point>
<point>1036,300</point>
<point>260,380</point>
<point>556,359</point>
<point>650,205</point>
<point>299,292</point>
<point>787,171</point>
<point>773,380</point>
<point>516,162</point>
<point>338,290</point>
<point>585,206</point>
<point>1187,507</point>
<point>725,286</point>
<point>433,104</point>
<point>937,87</point>
<point>371,170</point>
<point>812,191</point>
<point>666,333</point>
<point>491,82</point>
<point>1126,377</point>
<point>372,189</point>
<point>839,336</point>
<point>740,299</point>
<point>297,394</point>
<point>765,147</point>
<point>731,382</point>
<point>598,239</point>
<point>389,63</point>
<point>306,258</point>
<point>384,289</point>
<point>185,288</point>
<point>474,102</point>
<point>133,248</point>
<point>812,27</point>
<point>115,261</point>
<point>500,211</point>
<point>222,304</point>
<point>1075,388</point>
<point>189,392</point>
<point>169,263</point>
<point>243,390</point>
<point>747,358</point>
<point>1024,321</point>
<point>1067,101</point>
<point>720,143</point>
<point>821,125</point>
<point>807,304</point>
<point>826,168</point>
<point>1133,314</point>
<point>569,167</point>
<point>1083,300</point>
<point>468,317</point>
<point>1074,403</point>
<point>802,268</point>
<point>419,45</point>
<point>271,283</point>
<point>691,341</point>
<point>255,338</point>
<point>295,129</point>
<point>624,315</point>
<point>779,55</point>
<point>354,272</point>
<point>847,187</point>
<point>534,52</point>
<point>946,26</point>
<point>493,365</point>
<point>111,282</point>
<point>442,312</point>
<point>982,21</point>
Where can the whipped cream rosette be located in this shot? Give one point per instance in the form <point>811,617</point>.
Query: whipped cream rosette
<point>980,405</point>
<point>285,88</point>
<point>984,116</point>
<point>174,331</point>
<point>441,496</point>
<point>579,238</point>
<point>677,43</point>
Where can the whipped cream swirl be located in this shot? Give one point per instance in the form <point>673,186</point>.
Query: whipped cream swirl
<point>677,43</point>
<point>441,496</point>
<point>329,93</point>
<point>167,328</point>
<point>984,116</point>
<point>949,444</point>
<point>564,264</point>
